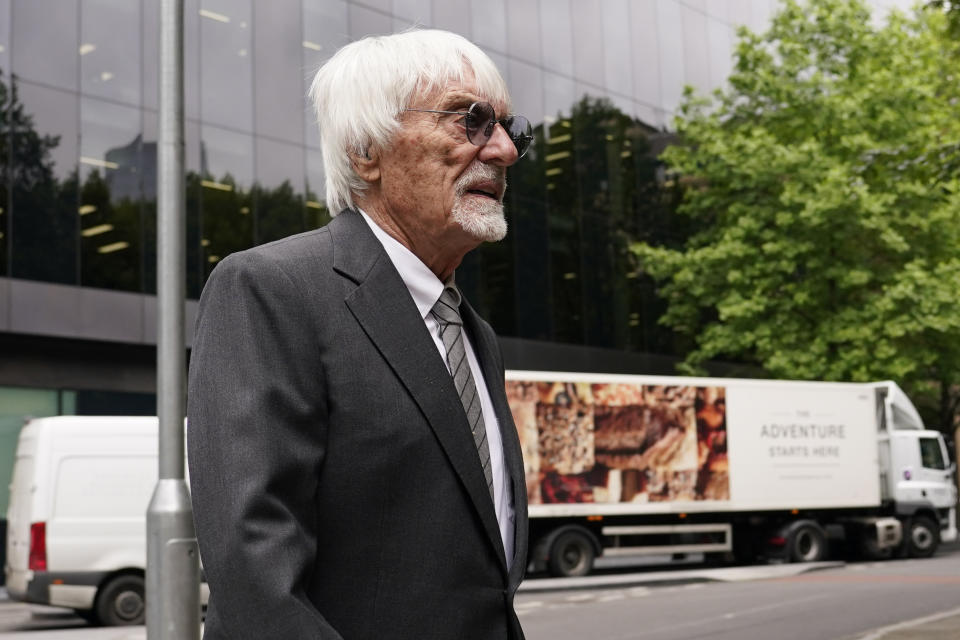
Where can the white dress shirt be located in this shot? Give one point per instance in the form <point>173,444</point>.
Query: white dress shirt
<point>425,288</point>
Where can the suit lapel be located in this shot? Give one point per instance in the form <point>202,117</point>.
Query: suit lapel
<point>487,350</point>
<point>383,307</point>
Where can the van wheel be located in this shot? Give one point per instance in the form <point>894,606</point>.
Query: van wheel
<point>808,543</point>
<point>121,601</point>
<point>571,554</point>
<point>922,537</point>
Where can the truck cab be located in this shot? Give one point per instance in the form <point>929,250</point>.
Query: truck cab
<point>919,477</point>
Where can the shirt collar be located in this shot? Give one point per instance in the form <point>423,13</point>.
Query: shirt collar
<point>424,286</point>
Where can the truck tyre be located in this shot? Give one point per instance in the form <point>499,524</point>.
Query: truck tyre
<point>808,543</point>
<point>922,537</point>
<point>120,601</point>
<point>571,554</point>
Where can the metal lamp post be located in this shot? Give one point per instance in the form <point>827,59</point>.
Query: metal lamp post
<point>173,570</point>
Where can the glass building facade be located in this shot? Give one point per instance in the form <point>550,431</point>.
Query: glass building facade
<point>598,78</point>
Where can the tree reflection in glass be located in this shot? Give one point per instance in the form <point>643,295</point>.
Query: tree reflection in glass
<point>599,170</point>
<point>43,205</point>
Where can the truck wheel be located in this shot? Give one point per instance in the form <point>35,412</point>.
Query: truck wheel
<point>120,601</point>
<point>922,537</point>
<point>571,554</point>
<point>808,543</point>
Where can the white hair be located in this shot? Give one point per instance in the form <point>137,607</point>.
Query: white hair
<point>360,92</point>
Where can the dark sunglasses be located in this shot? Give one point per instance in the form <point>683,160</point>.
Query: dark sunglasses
<point>480,119</point>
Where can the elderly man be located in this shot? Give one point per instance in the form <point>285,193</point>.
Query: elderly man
<point>355,469</point>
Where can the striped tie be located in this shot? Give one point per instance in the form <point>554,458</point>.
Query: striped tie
<point>447,314</point>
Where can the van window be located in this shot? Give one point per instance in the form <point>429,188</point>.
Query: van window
<point>104,486</point>
<point>931,455</point>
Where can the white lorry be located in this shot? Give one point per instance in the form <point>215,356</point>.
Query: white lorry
<point>76,532</point>
<point>732,468</point>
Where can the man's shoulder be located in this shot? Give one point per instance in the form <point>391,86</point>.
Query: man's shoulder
<point>296,253</point>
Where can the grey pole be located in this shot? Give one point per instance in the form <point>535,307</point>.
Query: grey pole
<point>173,570</point>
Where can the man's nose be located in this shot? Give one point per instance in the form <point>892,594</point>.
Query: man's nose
<point>499,150</point>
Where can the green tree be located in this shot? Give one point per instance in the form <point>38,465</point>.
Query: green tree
<point>824,182</point>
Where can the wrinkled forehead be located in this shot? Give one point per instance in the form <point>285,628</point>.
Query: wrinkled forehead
<point>468,82</point>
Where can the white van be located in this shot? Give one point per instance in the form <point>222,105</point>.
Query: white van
<point>77,518</point>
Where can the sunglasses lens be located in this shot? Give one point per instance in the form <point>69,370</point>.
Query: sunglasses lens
<point>520,132</point>
<point>480,123</point>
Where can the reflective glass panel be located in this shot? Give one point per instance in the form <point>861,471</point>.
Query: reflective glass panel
<point>721,55</point>
<point>226,71</point>
<point>558,140</point>
<point>366,22</point>
<point>695,49</point>
<point>527,214</point>
<point>277,68</point>
<point>588,41</point>
<point>452,15</point>
<point>44,184</point>
<point>196,250</point>
<point>324,31</point>
<point>4,132</point>
<point>5,19</point>
<point>44,38</point>
<point>226,218</point>
<point>111,177</point>
<point>412,11</point>
<point>317,212</point>
<point>522,41</point>
<point>646,53</point>
<point>279,190</point>
<point>670,53</point>
<point>110,48</point>
<point>557,37</point>
<point>488,19</point>
<point>526,90</point>
<point>195,271</point>
<point>617,54</point>
<point>605,174</point>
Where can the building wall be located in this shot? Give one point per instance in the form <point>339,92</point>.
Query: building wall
<point>599,79</point>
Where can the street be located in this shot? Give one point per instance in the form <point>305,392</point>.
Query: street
<point>857,601</point>
<point>845,602</point>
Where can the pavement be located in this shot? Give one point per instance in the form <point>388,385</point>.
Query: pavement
<point>940,626</point>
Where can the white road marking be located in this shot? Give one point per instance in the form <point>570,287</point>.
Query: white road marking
<point>580,597</point>
<point>612,597</point>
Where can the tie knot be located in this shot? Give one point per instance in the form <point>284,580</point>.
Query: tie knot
<point>447,308</point>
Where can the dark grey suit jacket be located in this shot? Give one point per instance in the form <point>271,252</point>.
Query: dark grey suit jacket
<point>337,491</point>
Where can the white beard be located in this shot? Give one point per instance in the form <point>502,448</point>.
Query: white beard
<point>480,217</point>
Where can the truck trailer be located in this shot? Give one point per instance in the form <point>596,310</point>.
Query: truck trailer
<point>736,469</point>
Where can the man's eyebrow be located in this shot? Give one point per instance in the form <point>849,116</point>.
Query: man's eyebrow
<point>457,102</point>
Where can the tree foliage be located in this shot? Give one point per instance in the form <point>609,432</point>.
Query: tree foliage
<point>825,183</point>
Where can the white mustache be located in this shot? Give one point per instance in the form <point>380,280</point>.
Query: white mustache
<point>479,172</point>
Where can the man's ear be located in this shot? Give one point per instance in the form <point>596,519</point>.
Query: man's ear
<point>366,165</point>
